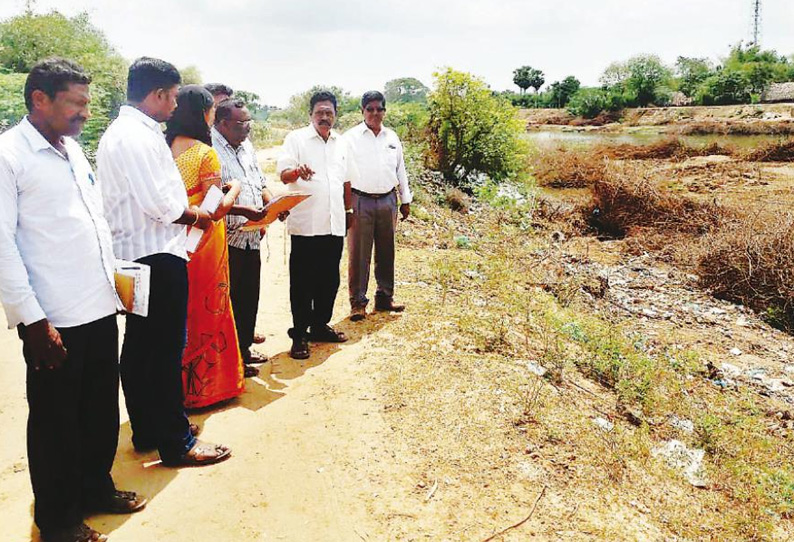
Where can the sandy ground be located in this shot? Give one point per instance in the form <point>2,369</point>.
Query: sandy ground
<point>307,438</point>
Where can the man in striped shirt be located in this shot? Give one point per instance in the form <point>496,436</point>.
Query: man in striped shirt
<point>238,161</point>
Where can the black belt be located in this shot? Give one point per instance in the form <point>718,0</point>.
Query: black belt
<point>371,196</point>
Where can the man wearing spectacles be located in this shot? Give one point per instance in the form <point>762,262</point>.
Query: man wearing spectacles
<point>238,161</point>
<point>378,154</point>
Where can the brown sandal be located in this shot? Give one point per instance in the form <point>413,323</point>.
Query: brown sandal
<point>202,453</point>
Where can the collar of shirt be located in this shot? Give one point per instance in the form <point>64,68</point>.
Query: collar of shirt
<point>311,132</point>
<point>35,139</point>
<point>135,113</point>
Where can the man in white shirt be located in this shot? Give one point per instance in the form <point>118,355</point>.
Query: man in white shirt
<point>57,288</point>
<point>314,160</point>
<point>147,208</point>
<point>378,154</point>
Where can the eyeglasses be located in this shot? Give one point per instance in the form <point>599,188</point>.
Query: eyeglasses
<point>375,109</point>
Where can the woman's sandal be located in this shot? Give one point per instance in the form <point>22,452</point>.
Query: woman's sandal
<point>202,453</point>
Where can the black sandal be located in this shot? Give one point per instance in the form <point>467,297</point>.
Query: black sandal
<point>300,349</point>
<point>327,334</point>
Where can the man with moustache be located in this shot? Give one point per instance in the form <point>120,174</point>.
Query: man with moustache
<point>315,160</point>
<point>57,288</point>
<point>378,153</point>
<point>238,161</point>
<point>147,209</point>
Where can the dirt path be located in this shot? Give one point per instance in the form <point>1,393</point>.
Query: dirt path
<point>307,439</point>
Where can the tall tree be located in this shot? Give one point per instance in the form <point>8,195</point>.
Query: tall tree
<point>526,77</point>
<point>405,90</point>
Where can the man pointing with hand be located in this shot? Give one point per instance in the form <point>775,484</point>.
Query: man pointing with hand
<point>315,160</point>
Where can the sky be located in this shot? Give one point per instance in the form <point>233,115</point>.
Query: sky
<point>278,49</point>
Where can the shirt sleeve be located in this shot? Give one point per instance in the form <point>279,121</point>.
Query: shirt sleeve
<point>290,154</point>
<point>210,166</point>
<point>352,175</point>
<point>151,186</point>
<point>19,299</point>
<point>402,177</point>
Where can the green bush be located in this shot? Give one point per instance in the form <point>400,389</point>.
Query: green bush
<point>12,100</point>
<point>471,132</point>
<point>409,120</point>
<point>590,102</point>
<point>29,38</point>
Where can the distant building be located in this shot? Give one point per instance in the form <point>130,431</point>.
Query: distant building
<point>779,92</point>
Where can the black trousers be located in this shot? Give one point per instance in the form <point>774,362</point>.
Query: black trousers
<point>151,362</point>
<point>313,279</point>
<point>244,284</point>
<point>73,425</point>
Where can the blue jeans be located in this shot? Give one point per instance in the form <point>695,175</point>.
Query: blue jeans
<point>151,362</point>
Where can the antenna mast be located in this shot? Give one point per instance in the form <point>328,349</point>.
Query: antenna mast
<point>756,22</point>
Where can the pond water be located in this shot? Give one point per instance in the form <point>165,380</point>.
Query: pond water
<point>557,138</point>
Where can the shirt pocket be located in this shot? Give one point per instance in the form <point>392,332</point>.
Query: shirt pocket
<point>391,157</point>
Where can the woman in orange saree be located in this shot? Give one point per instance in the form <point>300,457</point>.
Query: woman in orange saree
<point>212,367</point>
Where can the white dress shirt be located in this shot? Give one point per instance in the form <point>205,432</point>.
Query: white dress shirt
<point>141,187</point>
<point>56,253</point>
<point>380,161</point>
<point>324,212</point>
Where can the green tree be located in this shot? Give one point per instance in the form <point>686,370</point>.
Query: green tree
<point>190,75</point>
<point>590,102</point>
<point>297,112</point>
<point>526,77</point>
<point>642,80</point>
<point>724,88</point>
<point>692,72</point>
<point>405,90</point>
<point>28,38</point>
<point>471,132</point>
<point>561,92</point>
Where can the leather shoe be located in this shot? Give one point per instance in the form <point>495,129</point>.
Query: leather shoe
<point>387,304</point>
<point>118,502</point>
<point>78,533</point>
<point>300,348</point>
<point>358,313</point>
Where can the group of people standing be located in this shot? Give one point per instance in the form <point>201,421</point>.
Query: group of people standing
<point>62,230</point>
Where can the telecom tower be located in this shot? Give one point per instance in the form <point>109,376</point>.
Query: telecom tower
<point>756,22</point>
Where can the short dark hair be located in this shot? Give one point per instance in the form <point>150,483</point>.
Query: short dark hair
<point>225,108</point>
<point>52,76</point>
<point>219,88</point>
<point>373,96</point>
<point>149,74</point>
<point>322,96</point>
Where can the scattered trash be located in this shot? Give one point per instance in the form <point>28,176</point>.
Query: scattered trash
<point>688,460</point>
<point>730,370</point>
<point>735,351</point>
<point>757,373</point>
<point>684,425</point>
<point>533,367</point>
<point>604,424</point>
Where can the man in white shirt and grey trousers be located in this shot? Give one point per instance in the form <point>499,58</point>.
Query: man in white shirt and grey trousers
<point>378,154</point>
<point>57,288</point>
<point>147,208</point>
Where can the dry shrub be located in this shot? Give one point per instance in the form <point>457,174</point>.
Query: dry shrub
<point>774,151</point>
<point>628,198</point>
<point>667,148</point>
<point>752,262</point>
<point>457,200</point>
<point>738,127</point>
<point>568,168</point>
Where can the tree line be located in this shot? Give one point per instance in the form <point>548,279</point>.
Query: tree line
<point>645,80</point>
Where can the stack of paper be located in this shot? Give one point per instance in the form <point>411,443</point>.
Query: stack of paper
<point>132,285</point>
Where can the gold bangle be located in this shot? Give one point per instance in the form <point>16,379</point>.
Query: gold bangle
<point>195,210</point>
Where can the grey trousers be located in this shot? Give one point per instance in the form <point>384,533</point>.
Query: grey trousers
<point>374,225</point>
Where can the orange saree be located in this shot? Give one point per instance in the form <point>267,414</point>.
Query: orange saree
<point>212,368</point>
